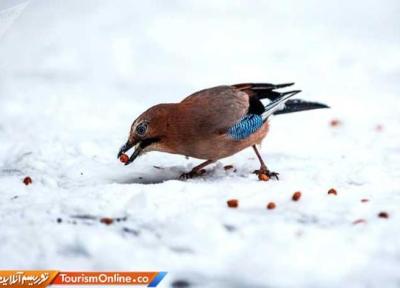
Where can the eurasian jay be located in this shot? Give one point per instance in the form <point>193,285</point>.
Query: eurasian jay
<point>214,123</point>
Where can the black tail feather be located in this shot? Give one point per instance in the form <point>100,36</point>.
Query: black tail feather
<point>276,105</point>
<point>269,86</point>
<point>263,90</point>
<point>258,91</point>
<point>297,105</point>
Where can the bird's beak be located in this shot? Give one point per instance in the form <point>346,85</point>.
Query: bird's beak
<point>128,145</point>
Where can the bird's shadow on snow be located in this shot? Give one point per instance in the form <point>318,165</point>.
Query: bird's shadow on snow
<point>162,174</point>
<point>155,176</point>
<point>144,180</point>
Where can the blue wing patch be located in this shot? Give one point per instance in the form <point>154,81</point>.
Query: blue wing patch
<point>246,126</point>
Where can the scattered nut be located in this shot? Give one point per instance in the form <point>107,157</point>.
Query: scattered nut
<point>228,167</point>
<point>271,205</point>
<point>383,215</point>
<point>107,220</point>
<point>359,221</point>
<point>335,122</point>
<point>332,191</point>
<point>124,158</point>
<point>233,203</point>
<point>263,177</point>
<point>296,196</point>
<point>364,200</point>
<point>27,180</point>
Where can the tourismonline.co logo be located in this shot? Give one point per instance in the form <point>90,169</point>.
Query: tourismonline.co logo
<point>44,278</point>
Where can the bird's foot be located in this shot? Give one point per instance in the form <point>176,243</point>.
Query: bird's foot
<point>192,174</point>
<point>265,171</point>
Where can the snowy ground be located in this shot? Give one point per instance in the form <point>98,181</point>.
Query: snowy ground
<point>73,76</point>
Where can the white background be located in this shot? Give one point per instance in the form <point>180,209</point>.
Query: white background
<point>75,74</point>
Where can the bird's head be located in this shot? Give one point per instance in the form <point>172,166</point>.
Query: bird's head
<point>147,131</point>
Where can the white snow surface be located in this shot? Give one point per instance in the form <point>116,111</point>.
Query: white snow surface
<point>75,74</point>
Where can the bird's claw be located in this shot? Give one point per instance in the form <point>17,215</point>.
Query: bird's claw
<point>265,171</point>
<point>192,174</point>
<point>271,174</point>
<point>185,176</point>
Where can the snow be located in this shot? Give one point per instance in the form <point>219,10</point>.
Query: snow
<point>75,74</point>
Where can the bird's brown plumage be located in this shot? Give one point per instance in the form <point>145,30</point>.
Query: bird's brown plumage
<point>197,126</point>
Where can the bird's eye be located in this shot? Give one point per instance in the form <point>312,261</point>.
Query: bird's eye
<point>141,129</point>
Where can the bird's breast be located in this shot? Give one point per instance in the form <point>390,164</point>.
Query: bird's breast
<point>186,140</point>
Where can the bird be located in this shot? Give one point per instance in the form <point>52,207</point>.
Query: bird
<point>214,123</point>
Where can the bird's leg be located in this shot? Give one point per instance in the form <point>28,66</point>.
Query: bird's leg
<point>196,170</point>
<point>263,167</point>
